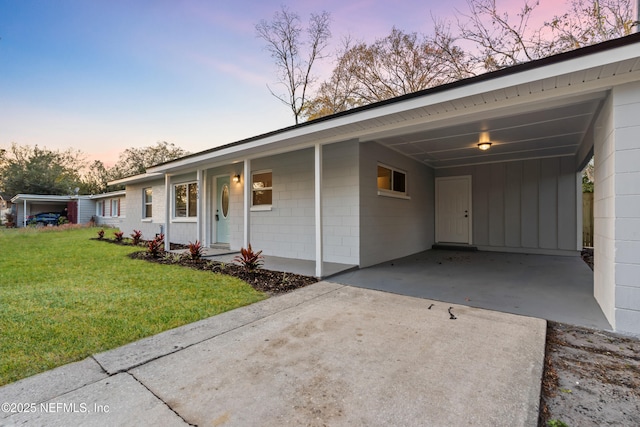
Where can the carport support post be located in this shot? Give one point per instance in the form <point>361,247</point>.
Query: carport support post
<point>318,208</point>
<point>24,213</point>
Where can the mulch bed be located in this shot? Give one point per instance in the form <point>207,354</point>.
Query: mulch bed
<point>271,282</point>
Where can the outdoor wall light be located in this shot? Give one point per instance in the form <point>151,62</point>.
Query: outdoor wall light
<point>484,146</point>
<point>236,178</point>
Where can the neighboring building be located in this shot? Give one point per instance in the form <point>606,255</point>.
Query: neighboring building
<point>394,178</point>
<point>79,209</point>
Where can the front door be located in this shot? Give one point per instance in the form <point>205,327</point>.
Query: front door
<point>453,205</point>
<point>222,209</point>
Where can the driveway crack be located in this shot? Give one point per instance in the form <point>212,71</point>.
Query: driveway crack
<point>161,400</point>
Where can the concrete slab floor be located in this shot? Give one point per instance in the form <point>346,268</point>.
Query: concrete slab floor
<point>558,288</point>
<point>323,355</point>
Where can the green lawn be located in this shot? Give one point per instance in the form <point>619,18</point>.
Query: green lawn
<point>64,296</point>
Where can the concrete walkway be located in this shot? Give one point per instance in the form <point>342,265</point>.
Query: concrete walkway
<point>326,354</point>
<point>558,288</point>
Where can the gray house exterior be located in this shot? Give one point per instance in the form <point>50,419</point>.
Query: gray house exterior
<point>394,178</point>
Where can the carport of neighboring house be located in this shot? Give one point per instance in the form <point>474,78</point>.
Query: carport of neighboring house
<point>544,119</point>
<point>32,204</point>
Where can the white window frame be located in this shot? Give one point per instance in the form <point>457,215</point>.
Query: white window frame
<point>185,218</point>
<point>99,205</point>
<point>145,203</point>
<point>393,193</point>
<point>261,207</point>
<point>114,208</point>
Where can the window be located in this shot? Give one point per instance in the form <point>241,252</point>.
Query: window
<point>185,200</point>
<point>100,208</point>
<point>115,207</point>
<point>261,188</point>
<point>147,208</point>
<point>391,180</point>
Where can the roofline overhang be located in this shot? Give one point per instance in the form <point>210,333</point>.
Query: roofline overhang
<point>109,194</point>
<point>134,179</point>
<point>45,198</point>
<point>605,53</point>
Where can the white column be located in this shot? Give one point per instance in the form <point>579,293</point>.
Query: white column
<point>167,210</point>
<point>199,206</point>
<point>247,202</point>
<point>318,208</point>
<point>24,213</point>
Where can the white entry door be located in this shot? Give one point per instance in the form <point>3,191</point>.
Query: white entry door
<point>453,209</point>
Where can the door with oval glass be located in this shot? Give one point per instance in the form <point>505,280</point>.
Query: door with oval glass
<point>222,209</point>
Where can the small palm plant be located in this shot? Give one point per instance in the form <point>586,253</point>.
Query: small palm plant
<point>249,259</point>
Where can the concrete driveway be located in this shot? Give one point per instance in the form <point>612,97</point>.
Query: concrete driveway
<point>327,354</point>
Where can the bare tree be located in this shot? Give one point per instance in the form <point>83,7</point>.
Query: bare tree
<point>589,22</point>
<point>398,64</point>
<point>293,54</point>
<point>500,40</point>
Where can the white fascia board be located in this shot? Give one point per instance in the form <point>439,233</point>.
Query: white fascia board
<point>108,195</point>
<point>44,198</point>
<point>136,178</point>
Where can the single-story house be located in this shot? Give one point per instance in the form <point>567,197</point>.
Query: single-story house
<point>394,178</point>
<point>104,208</point>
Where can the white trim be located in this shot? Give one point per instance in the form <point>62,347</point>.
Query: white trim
<point>173,200</point>
<point>318,206</point>
<point>167,210</point>
<point>579,207</point>
<point>198,205</point>
<point>261,171</point>
<point>393,194</point>
<point>261,208</point>
<point>470,198</point>
<point>247,201</point>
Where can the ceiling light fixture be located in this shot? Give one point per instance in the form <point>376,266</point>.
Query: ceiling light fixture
<point>484,146</point>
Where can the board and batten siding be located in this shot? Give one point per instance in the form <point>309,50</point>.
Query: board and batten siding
<point>523,206</point>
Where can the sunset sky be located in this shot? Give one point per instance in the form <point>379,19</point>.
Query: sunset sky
<point>105,75</point>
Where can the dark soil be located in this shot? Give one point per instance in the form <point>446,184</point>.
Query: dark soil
<point>271,282</point>
<point>591,378</point>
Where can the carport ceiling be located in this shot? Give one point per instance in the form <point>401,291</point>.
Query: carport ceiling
<point>545,132</point>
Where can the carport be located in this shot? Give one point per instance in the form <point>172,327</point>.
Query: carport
<point>80,208</point>
<point>557,288</point>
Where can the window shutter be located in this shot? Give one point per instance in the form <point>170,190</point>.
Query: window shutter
<point>118,207</point>
<point>103,212</point>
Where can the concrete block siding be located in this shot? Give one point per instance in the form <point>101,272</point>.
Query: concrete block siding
<point>623,189</point>
<point>134,208</point>
<point>288,229</point>
<point>394,227</point>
